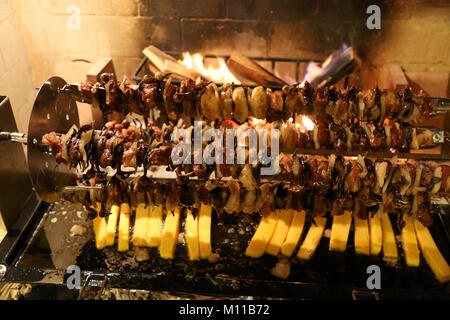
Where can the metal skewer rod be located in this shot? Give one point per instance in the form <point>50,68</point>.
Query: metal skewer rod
<point>443,104</point>
<point>439,135</point>
<point>23,137</point>
<point>69,189</point>
<point>441,101</point>
<point>439,138</point>
<point>14,136</point>
<point>437,199</point>
<point>441,108</point>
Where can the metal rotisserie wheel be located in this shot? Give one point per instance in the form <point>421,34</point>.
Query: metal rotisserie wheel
<point>51,111</point>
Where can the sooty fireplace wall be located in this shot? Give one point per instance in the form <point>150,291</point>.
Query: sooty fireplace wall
<point>63,37</point>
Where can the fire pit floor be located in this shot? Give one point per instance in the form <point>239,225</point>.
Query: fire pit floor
<point>53,246</point>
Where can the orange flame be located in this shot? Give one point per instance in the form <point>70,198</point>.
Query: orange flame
<point>308,123</point>
<point>217,71</point>
<point>304,123</point>
<point>256,122</point>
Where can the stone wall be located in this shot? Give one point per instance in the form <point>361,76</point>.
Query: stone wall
<point>413,33</point>
<point>15,72</point>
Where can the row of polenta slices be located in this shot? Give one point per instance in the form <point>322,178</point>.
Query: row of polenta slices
<point>280,231</point>
<point>150,232</point>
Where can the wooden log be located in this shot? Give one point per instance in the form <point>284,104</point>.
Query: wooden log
<point>397,77</point>
<point>339,64</point>
<point>286,71</point>
<point>435,84</point>
<point>302,68</point>
<point>167,64</point>
<point>244,67</point>
<point>98,67</point>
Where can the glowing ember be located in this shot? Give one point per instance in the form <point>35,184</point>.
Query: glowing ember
<point>217,71</point>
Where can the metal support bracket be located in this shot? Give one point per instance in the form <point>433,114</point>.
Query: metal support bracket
<point>361,294</point>
<point>2,271</point>
<point>93,287</point>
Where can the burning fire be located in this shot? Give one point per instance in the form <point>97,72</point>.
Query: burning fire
<point>305,123</point>
<point>312,71</point>
<point>217,71</point>
<point>333,62</point>
<point>255,121</point>
<point>308,123</point>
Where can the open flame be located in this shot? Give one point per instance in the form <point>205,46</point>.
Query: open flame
<point>312,71</point>
<point>308,123</point>
<point>321,72</point>
<point>255,121</point>
<point>304,123</point>
<point>217,71</point>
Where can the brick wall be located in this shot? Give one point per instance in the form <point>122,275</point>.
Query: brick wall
<point>414,33</point>
<point>15,72</point>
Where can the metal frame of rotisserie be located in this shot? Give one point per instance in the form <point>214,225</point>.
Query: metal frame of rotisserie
<point>30,220</point>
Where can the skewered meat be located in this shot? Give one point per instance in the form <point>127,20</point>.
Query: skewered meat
<point>160,156</point>
<point>173,197</point>
<point>226,97</point>
<point>210,102</point>
<point>240,104</point>
<point>129,154</point>
<point>232,204</point>
<point>324,104</point>
<point>149,89</point>
<point>445,185</point>
<point>246,178</point>
<point>121,144</point>
<point>55,143</point>
<point>71,148</point>
<point>168,97</point>
<point>353,181</point>
<point>403,189</point>
<point>257,100</point>
<point>248,205</point>
<point>186,95</point>
<point>266,199</point>
<point>276,103</point>
<point>423,209</point>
